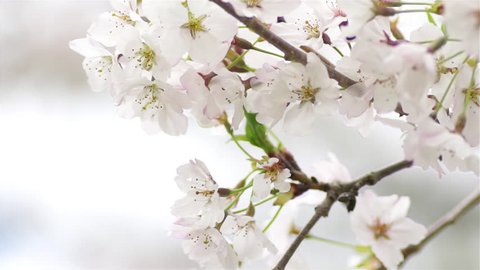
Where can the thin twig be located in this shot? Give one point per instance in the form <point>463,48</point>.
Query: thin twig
<point>333,194</point>
<point>291,52</point>
<point>448,219</point>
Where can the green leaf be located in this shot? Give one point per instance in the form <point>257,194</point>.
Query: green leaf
<point>256,134</point>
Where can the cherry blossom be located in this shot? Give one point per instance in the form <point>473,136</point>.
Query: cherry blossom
<point>272,172</point>
<point>111,27</point>
<point>247,239</point>
<point>192,27</point>
<point>99,63</point>
<point>299,92</point>
<point>207,246</point>
<point>331,170</point>
<point>430,144</point>
<point>359,12</point>
<point>225,91</point>
<point>462,19</point>
<point>381,222</point>
<point>159,105</point>
<point>143,56</point>
<point>202,196</point>
<point>305,25</point>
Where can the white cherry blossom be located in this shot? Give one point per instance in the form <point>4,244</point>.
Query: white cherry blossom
<point>247,239</point>
<point>462,18</point>
<point>430,144</point>
<point>99,63</point>
<point>141,55</point>
<point>271,172</point>
<point>111,27</point>
<point>381,222</point>
<point>197,27</point>
<point>207,246</point>
<point>299,92</point>
<point>304,26</point>
<point>331,170</point>
<point>159,105</point>
<point>225,91</point>
<point>358,12</point>
<point>202,198</point>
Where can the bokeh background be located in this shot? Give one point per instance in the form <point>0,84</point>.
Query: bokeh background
<point>81,188</point>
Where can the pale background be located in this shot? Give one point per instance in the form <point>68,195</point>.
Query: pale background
<point>81,188</point>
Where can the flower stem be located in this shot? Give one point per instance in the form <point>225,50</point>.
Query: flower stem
<point>242,188</point>
<point>449,58</point>
<point>333,242</point>
<point>273,218</point>
<point>338,51</point>
<point>241,56</point>
<point>440,104</point>
<point>234,202</point>
<point>401,3</point>
<point>229,129</point>
<point>412,11</point>
<point>276,138</point>
<point>267,52</point>
<point>256,204</point>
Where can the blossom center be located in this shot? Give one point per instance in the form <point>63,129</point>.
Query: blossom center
<point>194,24</point>
<point>380,229</point>
<point>473,95</point>
<point>272,171</point>
<point>306,93</point>
<point>252,3</point>
<point>149,97</point>
<point>123,17</point>
<point>146,57</point>
<point>312,29</point>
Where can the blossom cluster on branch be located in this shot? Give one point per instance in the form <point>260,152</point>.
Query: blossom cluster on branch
<point>171,61</point>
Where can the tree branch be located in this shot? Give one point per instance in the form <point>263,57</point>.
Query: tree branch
<point>448,219</point>
<point>333,194</point>
<point>321,210</point>
<point>291,52</point>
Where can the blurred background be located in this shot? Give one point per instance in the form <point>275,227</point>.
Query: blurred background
<point>81,188</point>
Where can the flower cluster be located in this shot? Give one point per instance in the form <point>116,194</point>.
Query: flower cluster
<point>166,62</point>
<point>214,235</point>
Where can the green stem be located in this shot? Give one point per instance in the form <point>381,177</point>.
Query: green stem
<point>243,188</point>
<point>449,58</point>
<point>241,148</point>
<point>430,41</point>
<point>338,51</point>
<point>275,137</point>
<point>468,95</point>
<point>234,202</point>
<point>229,129</point>
<point>413,11</point>
<point>400,3</point>
<point>256,204</point>
<point>440,104</point>
<point>273,218</point>
<point>333,242</point>
<point>241,56</point>
<point>267,52</point>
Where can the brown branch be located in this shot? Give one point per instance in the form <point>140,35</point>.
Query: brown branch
<point>333,194</point>
<point>321,210</point>
<point>448,219</point>
<point>291,52</point>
